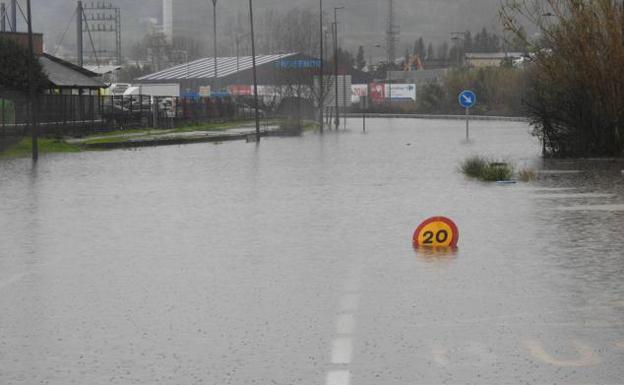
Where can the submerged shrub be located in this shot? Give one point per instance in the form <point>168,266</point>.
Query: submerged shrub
<point>495,172</point>
<point>480,168</point>
<point>473,166</point>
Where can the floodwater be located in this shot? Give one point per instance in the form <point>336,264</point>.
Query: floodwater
<point>291,262</point>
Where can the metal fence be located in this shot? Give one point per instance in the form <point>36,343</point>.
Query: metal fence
<point>79,115</point>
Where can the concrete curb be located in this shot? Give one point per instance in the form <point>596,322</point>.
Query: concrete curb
<point>439,117</point>
<point>153,142</point>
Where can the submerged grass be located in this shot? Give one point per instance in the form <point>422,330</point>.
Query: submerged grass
<point>527,175</point>
<point>487,170</point>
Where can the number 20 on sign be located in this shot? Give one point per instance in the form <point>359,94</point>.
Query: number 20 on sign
<point>436,232</point>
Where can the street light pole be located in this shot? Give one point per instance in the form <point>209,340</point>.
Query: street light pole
<point>214,26</point>
<point>255,76</point>
<point>389,80</point>
<point>321,69</point>
<point>31,86</point>
<point>336,9</point>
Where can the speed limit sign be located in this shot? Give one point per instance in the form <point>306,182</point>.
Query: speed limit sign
<point>437,232</point>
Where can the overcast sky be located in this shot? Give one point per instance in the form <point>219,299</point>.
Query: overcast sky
<point>363,20</point>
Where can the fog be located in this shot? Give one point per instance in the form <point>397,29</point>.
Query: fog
<point>362,22</point>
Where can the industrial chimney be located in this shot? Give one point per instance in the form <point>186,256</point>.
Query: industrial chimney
<point>167,18</point>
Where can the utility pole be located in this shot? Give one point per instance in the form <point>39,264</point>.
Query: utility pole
<point>3,15</point>
<point>13,15</point>
<point>392,38</point>
<point>214,37</point>
<point>103,19</point>
<point>79,16</point>
<point>336,9</point>
<point>31,86</point>
<point>255,76</point>
<point>321,70</point>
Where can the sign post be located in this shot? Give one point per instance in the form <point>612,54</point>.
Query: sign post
<point>467,99</point>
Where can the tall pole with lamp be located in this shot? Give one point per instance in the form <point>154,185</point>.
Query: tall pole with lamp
<point>321,69</point>
<point>336,9</point>
<point>31,86</point>
<point>255,76</point>
<point>214,37</point>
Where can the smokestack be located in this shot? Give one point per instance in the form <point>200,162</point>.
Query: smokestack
<point>167,19</point>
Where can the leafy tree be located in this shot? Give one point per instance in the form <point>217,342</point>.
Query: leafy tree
<point>430,52</point>
<point>360,62</point>
<point>419,48</point>
<point>468,44</point>
<point>14,61</point>
<point>133,71</point>
<point>443,51</point>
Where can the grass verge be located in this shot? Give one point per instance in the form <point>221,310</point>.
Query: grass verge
<point>23,148</point>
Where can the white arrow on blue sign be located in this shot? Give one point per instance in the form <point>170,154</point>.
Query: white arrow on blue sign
<point>467,99</point>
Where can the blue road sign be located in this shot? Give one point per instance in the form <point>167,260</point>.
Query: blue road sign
<point>467,99</point>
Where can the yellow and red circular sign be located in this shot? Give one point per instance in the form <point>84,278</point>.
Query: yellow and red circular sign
<point>436,232</point>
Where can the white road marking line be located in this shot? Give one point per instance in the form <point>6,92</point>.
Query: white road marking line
<point>345,324</point>
<point>342,350</point>
<point>338,377</point>
<point>349,302</point>
<point>587,356</point>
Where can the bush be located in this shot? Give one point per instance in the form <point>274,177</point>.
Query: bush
<point>473,167</point>
<point>486,170</point>
<point>495,172</point>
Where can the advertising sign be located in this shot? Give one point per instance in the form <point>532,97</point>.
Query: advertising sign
<point>358,91</point>
<point>204,91</point>
<point>377,93</point>
<point>240,90</point>
<point>297,64</point>
<point>406,92</point>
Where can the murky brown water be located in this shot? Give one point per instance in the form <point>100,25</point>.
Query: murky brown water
<point>291,263</point>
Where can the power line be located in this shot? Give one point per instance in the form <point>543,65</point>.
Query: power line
<point>69,23</point>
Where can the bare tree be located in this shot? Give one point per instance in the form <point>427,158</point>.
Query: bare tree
<point>576,85</point>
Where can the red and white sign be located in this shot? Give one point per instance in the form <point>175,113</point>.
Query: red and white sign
<point>377,93</point>
<point>358,91</point>
<point>240,90</point>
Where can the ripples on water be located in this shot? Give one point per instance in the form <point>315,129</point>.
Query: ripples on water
<point>223,263</point>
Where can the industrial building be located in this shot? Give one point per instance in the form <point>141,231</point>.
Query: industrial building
<point>234,75</point>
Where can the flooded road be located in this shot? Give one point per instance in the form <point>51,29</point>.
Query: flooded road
<point>291,263</point>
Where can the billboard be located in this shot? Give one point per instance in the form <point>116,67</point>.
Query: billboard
<point>297,64</point>
<point>204,91</point>
<point>358,92</point>
<point>405,92</point>
<point>240,90</point>
<point>377,93</point>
